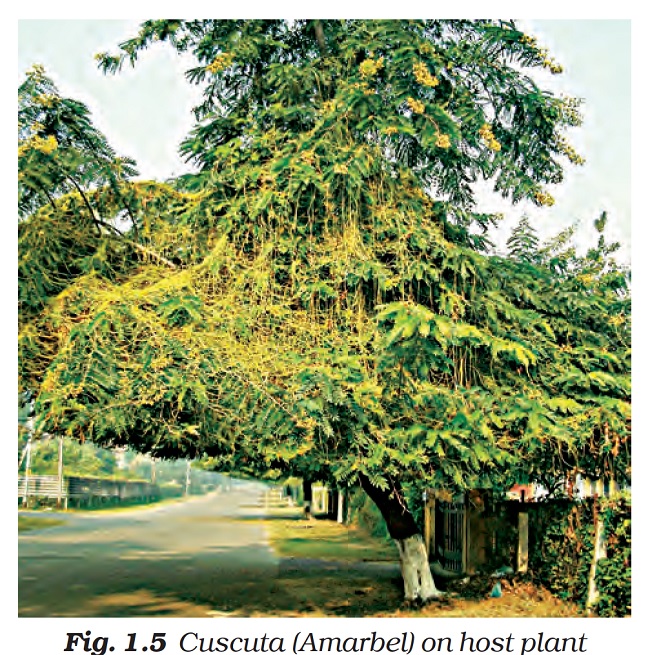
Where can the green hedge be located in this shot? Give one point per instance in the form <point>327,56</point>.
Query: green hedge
<point>614,574</point>
<point>562,547</point>
<point>365,513</point>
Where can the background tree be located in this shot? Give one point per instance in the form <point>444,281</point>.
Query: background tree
<point>523,243</point>
<point>319,299</point>
<point>78,459</point>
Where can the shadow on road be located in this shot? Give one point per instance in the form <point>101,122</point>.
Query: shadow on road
<point>211,583</point>
<point>196,560</point>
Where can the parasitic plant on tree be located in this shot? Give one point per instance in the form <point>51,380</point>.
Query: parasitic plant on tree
<point>319,298</point>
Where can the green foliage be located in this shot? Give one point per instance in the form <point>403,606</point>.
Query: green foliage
<point>60,150</point>
<point>78,459</point>
<point>319,299</point>
<point>365,513</point>
<point>562,550</point>
<point>614,574</point>
<point>523,244</point>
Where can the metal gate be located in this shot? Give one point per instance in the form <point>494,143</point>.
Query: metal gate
<point>451,532</point>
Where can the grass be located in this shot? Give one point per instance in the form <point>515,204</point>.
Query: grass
<point>115,507</point>
<point>27,523</point>
<point>110,508</point>
<point>293,536</point>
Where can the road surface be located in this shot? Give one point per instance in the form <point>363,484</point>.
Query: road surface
<point>180,559</point>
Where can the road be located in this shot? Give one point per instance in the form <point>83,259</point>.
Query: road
<point>180,559</point>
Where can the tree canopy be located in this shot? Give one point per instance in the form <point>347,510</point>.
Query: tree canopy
<point>321,298</point>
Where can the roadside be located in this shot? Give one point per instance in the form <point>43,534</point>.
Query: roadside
<point>232,556</point>
<point>28,523</point>
<point>333,570</point>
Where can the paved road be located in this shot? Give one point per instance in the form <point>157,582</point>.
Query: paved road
<point>171,560</point>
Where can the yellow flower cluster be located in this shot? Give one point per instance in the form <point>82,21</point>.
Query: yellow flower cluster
<point>307,423</point>
<point>544,199</point>
<point>426,48</point>
<point>73,390</point>
<point>391,129</point>
<point>221,62</point>
<point>585,278</point>
<point>547,62</point>
<point>528,40</point>
<point>443,141</point>
<point>566,148</point>
<point>488,138</point>
<point>370,67</point>
<point>416,106</point>
<point>49,383</point>
<point>160,363</point>
<point>46,146</point>
<point>46,100</point>
<point>308,156</point>
<point>423,76</point>
<point>552,65</point>
<point>570,110</point>
<point>36,72</point>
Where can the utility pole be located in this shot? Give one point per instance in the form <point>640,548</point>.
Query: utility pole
<point>28,463</point>
<point>187,478</point>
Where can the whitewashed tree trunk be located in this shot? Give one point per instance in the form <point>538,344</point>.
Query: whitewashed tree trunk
<point>600,551</point>
<point>418,581</point>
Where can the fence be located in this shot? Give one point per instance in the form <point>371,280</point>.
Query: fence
<point>84,490</point>
<point>471,532</point>
<point>452,525</point>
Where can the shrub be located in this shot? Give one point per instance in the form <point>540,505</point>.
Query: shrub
<point>614,574</point>
<point>562,549</point>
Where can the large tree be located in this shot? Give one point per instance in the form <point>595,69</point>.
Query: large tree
<point>319,298</point>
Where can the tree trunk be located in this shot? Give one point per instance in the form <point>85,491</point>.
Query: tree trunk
<point>416,572</point>
<point>306,498</point>
<point>600,551</point>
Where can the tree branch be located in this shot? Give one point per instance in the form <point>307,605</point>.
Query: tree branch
<point>320,37</point>
<point>95,219</point>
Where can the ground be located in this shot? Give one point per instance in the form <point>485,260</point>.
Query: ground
<point>228,554</point>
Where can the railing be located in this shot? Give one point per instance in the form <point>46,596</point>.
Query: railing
<point>40,486</point>
<point>83,489</point>
<point>453,535</point>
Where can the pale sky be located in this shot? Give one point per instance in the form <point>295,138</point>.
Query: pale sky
<point>145,112</point>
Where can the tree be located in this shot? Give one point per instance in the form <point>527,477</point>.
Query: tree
<point>523,242</point>
<point>60,150</point>
<point>78,459</point>
<point>319,299</point>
